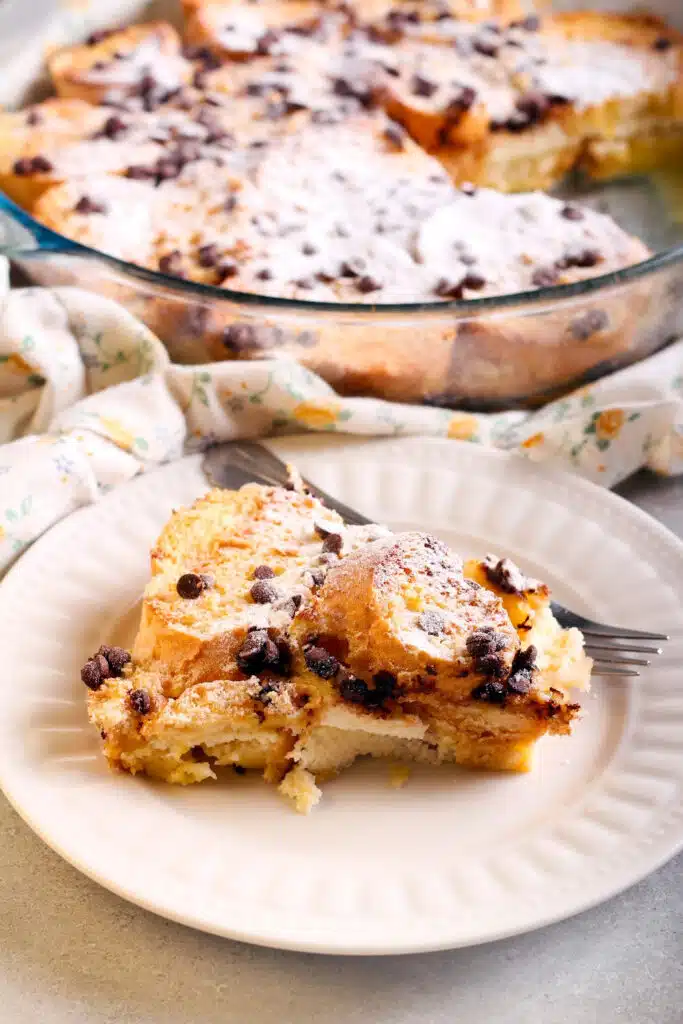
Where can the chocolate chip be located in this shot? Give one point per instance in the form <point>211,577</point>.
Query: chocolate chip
<point>264,275</point>
<point>492,691</point>
<point>485,641</point>
<point>463,101</point>
<point>531,23</point>
<point>192,585</point>
<point>172,263</point>
<point>226,269</point>
<point>33,118</point>
<point>421,86</point>
<point>308,249</point>
<point>521,671</point>
<point>473,281</point>
<point>361,91</point>
<point>385,686</point>
<point>32,165</point>
<point>333,544</point>
<point>367,283</point>
<point>117,658</point>
<point>589,323</point>
<point>431,622</point>
<point>544,277</point>
<point>520,682</point>
<point>324,531</point>
<point>486,47</point>
<point>570,212</point>
<point>395,136</point>
<point>139,173</point>
<point>354,690</point>
<point>290,605</point>
<point>90,675</point>
<point>583,258</point>
<point>662,44</point>
<point>263,593</point>
<point>147,84</point>
<point>87,205</point>
<point>239,769</point>
<point>102,666</point>
<point>446,288</point>
<point>556,99</point>
<point>352,267</point>
<point>267,42</point>
<point>166,169</point>
<point>321,662</point>
<point>197,320</point>
<point>534,105</point>
<point>99,65</point>
<point>243,338</point>
<point>485,645</point>
<point>503,573</point>
<point>200,78</point>
<point>140,702</point>
<point>97,37</point>
<point>468,189</point>
<point>263,572</point>
<point>326,116</point>
<point>258,652</point>
<point>207,255</point>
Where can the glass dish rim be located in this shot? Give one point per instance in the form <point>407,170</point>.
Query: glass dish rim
<point>48,241</point>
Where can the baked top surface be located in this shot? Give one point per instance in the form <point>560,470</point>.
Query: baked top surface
<point>262,143</point>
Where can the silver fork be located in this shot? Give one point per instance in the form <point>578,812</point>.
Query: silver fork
<point>604,643</point>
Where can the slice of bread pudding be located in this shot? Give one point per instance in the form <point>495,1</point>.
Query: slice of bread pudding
<point>274,637</point>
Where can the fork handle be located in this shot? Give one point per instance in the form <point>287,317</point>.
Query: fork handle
<point>263,466</point>
<point>567,618</point>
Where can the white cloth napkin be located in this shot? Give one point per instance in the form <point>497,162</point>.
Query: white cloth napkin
<point>89,399</point>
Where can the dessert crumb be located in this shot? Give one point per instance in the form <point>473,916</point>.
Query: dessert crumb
<point>398,775</point>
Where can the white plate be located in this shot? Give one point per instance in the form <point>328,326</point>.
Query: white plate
<point>454,857</point>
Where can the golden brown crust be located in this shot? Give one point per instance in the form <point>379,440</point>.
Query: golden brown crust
<point>36,133</point>
<point>237,30</point>
<point>375,599</point>
<point>535,155</point>
<point>119,63</point>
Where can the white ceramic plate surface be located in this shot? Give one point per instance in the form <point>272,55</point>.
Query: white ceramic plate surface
<point>454,857</point>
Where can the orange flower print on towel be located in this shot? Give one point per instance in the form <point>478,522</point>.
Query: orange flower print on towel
<point>609,423</point>
<point>317,415</point>
<point>533,441</point>
<point>117,433</point>
<point>462,426</point>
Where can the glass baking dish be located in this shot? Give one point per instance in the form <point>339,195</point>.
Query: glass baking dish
<point>486,353</point>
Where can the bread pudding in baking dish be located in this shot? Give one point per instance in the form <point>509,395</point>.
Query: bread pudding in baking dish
<point>275,638</point>
<point>334,135</point>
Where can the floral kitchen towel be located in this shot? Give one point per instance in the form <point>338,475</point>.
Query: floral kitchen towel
<point>89,399</point>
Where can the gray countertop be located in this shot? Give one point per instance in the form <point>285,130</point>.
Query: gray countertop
<point>71,953</point>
